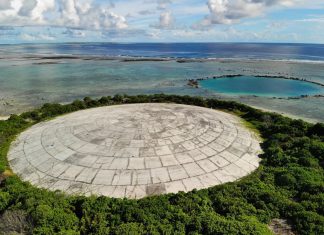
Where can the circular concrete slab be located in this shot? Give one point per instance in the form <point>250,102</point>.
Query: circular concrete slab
<point>135,150</point>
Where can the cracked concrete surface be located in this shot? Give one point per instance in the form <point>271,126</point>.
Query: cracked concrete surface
<point>135,150</point>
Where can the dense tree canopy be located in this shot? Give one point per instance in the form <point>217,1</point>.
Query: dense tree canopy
<point>289,184</point>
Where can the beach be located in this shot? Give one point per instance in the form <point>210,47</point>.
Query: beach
<point>3,118</point>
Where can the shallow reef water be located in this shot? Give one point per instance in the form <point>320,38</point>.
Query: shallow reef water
<point>32,75</point>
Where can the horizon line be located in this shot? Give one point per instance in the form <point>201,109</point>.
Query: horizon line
<point>194,42</point>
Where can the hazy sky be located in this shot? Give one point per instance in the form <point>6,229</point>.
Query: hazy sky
<point>162,21</point>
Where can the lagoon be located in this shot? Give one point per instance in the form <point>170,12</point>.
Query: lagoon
<point>31,75</point>
<point>261,86</point>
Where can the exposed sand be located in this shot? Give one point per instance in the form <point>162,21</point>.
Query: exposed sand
<point>4,117</point>
<point>310,120</point>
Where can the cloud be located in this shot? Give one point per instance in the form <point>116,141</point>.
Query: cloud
<point>146,12</point>
<point>232,11</point>
<point>166,21</point>
<point>313,19</point>
<point>7,31</point>
<point>74,33</point>
<point>41,7</point>
<point>37,37</point>
<point>65,13</point>
<point>6,28</point>
<point>122,34</point>
<point>5,4</point>
<point>162,4</point>
<point>27,7</point>
<point>69,12</point>
<point>160,20</point>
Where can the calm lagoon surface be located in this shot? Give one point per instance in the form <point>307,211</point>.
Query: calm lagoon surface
<point>31,75</point>
<point>262,86</point>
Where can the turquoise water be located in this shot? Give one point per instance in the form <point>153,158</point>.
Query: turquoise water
<point>261,86</point>
<point>28,82</point>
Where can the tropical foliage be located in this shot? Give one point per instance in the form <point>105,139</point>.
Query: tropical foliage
<point>289,184</point>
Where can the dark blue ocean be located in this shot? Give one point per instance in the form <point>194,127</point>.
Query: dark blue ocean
<point>284,51</point>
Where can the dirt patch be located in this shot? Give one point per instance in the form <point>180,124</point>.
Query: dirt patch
<point>281,227</point>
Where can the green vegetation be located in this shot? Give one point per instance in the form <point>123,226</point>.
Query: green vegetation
<point>289,184</point>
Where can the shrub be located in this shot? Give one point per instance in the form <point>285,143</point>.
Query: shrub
<point>4,200</point>
<point>286,179</point>
<point>288,184</point>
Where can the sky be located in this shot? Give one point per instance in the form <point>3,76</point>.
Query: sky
<point>50,21</point>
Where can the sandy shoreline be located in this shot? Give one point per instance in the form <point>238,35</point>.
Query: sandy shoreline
<point>19,110</point>
<point>310,120</point>
<point>4,118</point>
